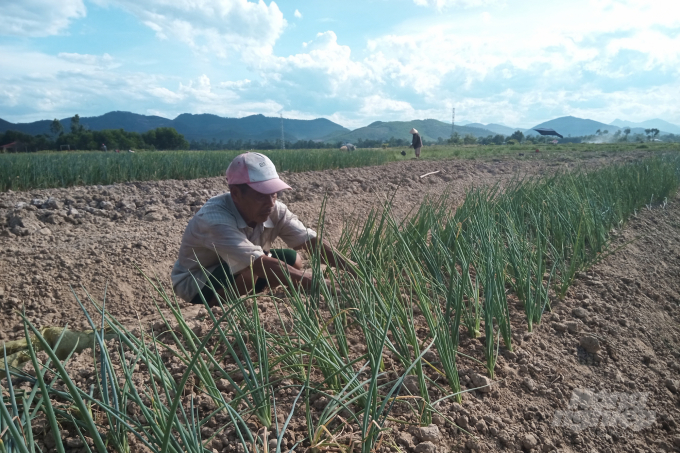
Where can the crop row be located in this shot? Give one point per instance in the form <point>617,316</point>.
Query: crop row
<point>29,171</point>
<point>26,171</point>
<point>449,270</point>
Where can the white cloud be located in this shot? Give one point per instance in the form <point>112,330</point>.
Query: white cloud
<point>35,18</point>
<point>326,66</point>
<point>103,61</point>
<point>380,106</point>
<point>165,95</point>
<point>441,4</point>
<point>215,27</point>
<point>237,85</point>
<point>537,71</point>
<point>297,14</point>
<point>200,96</point>
<point>41,86</point>
<point>502,74</point>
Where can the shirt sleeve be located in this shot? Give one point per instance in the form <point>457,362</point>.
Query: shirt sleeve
<point>291,230</point>
<point>233,246</point>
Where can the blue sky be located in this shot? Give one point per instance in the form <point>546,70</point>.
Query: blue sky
<point>515,62</point>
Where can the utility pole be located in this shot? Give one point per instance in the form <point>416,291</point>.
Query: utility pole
<point>283,140</point>
<point>453,121</point>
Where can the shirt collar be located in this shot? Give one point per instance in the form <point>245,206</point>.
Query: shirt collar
<point>240,223</point>
<point>231,207</point>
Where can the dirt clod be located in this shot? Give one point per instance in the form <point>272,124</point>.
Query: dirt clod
<point>482,383</point>
<point>405,440</point>
<point>411,384</point>
<point>481,427</point>
<point>559,326</point>
<point>529,384</point>
<point>573,327</point>
<point>463,421</point>
<point>429,434</point>
<point>580,313</point>
<point>426,447</point>
<point>529,442</point>
<point>590,344</point>
<point>74,442</point>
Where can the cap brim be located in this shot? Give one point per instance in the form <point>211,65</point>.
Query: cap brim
<point>268,187</point>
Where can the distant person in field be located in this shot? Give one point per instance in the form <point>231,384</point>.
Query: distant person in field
<point>231,238</point>
<point>103,147</point>
<point>416,143</point>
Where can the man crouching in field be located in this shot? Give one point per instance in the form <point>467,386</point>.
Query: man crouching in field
<point>235,231</point>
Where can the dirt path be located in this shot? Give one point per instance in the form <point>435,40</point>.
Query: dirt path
<point>93,236</point>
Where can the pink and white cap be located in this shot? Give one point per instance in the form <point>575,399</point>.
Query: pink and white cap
<point>257,171</point>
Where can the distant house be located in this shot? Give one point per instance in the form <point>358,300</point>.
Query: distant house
<point>13,147</point>
<point>16,146</point>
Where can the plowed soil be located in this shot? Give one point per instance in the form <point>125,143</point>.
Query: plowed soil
<point>58,240</point>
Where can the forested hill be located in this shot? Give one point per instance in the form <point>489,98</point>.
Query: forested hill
<point>195,127</point>
<point>578,127</point>
<point>430,130</point>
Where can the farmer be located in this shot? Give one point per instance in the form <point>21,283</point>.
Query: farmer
<point>103,147</point>
<point>231,237</point>
<point>417,142</point>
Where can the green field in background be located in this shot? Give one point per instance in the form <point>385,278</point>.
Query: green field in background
<point>27,171</point>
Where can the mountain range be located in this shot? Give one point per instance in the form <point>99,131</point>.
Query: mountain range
<point>570,126</point>
<point>196,127</point>
<point>430,130</point>
<point>655,123</point>
<point>259,127</point>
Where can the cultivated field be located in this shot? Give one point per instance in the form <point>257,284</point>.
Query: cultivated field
<point>25,171</point>
<point>472,322</point>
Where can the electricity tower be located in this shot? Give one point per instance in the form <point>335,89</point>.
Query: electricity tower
<point>283,140</point>
<point>453,121</point>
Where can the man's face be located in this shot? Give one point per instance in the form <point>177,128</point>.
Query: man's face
<point>255,207</point>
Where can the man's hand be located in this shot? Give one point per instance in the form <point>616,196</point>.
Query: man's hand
<point>331,256</point>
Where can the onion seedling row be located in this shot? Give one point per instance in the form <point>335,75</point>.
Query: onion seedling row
<point>26,171</point>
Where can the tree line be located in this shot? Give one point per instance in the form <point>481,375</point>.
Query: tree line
<point>621,136</point>
<point>80,138</point>
<point>230,144</point>
<point>236,145</point>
